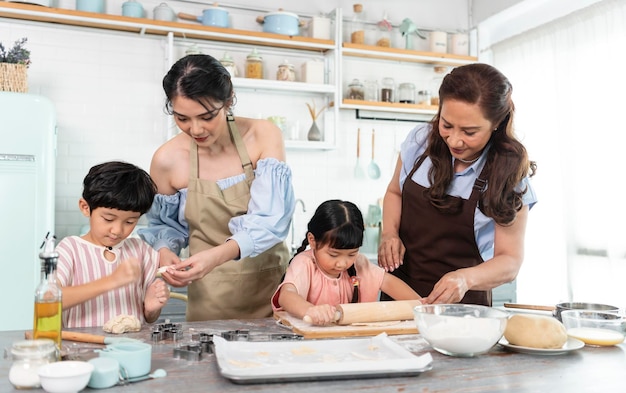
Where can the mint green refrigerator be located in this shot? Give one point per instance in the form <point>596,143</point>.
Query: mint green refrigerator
<point>27,177</point>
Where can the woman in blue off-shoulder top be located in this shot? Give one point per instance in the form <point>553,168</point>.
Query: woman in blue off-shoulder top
<point>224,190</point>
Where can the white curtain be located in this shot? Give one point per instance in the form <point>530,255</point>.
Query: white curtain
<point>569,87</point>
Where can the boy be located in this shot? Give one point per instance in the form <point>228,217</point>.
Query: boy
<point>104,274</point>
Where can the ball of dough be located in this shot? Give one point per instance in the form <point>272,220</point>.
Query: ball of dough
<point>535,331</point>
<point>122,324</point>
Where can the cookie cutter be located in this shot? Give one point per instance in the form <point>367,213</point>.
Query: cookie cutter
<point>189,351</point>
<point>167,331</point>
<point>246,335</point>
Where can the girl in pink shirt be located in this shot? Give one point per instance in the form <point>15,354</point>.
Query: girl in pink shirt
<point>332,271</point>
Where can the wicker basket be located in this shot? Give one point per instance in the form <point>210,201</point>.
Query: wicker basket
<point>13,77</point>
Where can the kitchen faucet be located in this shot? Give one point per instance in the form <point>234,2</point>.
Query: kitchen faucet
<point>294,246</point>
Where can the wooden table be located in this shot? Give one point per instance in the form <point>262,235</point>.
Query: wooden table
<point>585,370</point>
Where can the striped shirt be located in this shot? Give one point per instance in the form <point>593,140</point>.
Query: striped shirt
<point>81,262</point>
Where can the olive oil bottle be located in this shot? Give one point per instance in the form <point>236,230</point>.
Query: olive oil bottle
<point>47,318</point>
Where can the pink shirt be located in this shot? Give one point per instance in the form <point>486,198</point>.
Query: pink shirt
<point>317,288</point>
<point>81,262</point>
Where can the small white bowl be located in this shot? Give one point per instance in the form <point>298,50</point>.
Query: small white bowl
<point>65,376</point>
<point>460,329</point>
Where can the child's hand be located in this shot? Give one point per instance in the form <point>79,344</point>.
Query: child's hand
<point>157,296</point>
<point>127,272</point>
<point>324,314</point>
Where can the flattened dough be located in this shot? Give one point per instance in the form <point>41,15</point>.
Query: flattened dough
<point>122,324</point>
<point>535,331</point>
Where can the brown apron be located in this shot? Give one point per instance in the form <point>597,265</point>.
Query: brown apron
<point>237,289</point>
<point>438,243</point>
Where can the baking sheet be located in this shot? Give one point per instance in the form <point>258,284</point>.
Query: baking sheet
<point>264,362</point>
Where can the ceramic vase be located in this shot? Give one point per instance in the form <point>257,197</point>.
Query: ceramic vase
<point>314,133</point>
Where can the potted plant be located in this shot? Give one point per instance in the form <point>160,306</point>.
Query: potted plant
<point>13,65</point>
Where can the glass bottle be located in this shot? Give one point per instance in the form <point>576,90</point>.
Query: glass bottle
<point>357,26</point>
<point>47,317</point>
<point>28,356</point>
<point>384,32</point>
<point>387,90</point>
<point>254,65</point>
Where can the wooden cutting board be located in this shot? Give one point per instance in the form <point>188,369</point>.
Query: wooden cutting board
<point>298,326</point>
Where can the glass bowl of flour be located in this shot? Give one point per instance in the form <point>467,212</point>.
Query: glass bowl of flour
<point>463,330</point>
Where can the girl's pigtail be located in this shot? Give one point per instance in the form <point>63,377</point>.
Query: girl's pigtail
<point>354,279</point>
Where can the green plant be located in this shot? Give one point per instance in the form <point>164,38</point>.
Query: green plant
<point>18,54</point>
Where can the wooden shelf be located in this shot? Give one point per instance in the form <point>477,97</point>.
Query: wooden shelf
<point>383,53</point>
<point>271,84</point>
<point>389,107</point>
<point>155,27</point>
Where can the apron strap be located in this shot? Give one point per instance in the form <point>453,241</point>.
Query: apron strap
<point>193,160</point>
<point>241,148</point>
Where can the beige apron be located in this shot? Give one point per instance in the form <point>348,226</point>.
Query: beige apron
<point>236,289</point>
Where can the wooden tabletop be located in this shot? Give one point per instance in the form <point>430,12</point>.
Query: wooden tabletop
<point>586,370</point>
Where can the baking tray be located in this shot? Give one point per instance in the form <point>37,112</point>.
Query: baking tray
<point>244,362</point>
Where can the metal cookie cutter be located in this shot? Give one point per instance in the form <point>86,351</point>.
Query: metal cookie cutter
<point>245,335</point>
<point>167,331</point>
<point>188,351</point>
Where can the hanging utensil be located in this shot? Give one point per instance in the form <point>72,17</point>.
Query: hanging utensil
<point>359,173</point>
<point>373,170</point>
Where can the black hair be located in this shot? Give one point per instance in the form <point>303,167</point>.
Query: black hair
<point>119,185</point>
<point>201,78</point>
<point>337,224</point>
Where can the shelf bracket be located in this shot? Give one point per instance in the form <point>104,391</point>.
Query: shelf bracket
<point>358,116</point>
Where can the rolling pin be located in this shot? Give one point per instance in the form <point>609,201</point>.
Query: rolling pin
<point>86,337</point>
<point>350,313</point>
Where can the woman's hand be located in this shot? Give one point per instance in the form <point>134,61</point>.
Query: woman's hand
<point>168,259</point>
<point>390,252</point>
<point>193,268</point>
<point>323,314</point>
<point>449,289</point>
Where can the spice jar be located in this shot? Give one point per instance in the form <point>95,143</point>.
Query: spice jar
<point>228,63</point>
<point>254,65</point>
<point>386,91</point>
<point>286,72</point>
<point>406,93</point>
<point>355,90</point>
<point>357,25</point>
<point>424,97</point>
<point>28,356</point>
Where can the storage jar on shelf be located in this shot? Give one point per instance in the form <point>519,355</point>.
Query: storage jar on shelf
<point>357,26</point>
<point>355,90</point>
<point>254,65</point>
<point>371,90</point>
<point>228,63</point>
<point>424,97</point>
<point>387,90</point>
<point>286,72</point>
<point>406,93</point>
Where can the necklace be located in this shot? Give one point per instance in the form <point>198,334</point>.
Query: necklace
<point>468,161</point>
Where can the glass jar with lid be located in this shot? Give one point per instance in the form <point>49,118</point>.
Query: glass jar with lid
<point>371,90</point>
<point>28,356</point>
<point>228,63</point>
<point>286,72</point>
<point>406,93</point>
<point>387,90</point>
<point>357,25</point>
<point>355,90</point>
<point>424,98</point>
<point>254,65</point>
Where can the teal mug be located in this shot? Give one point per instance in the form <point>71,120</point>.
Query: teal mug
<point>135,359</point>
<point>106,373</point>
